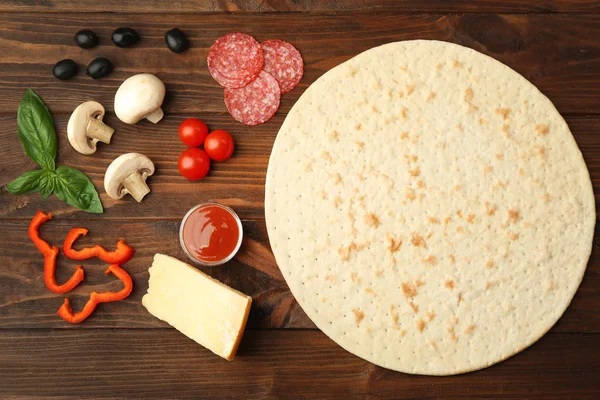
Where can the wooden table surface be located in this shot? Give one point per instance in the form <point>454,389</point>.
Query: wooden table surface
<point>124,352</point>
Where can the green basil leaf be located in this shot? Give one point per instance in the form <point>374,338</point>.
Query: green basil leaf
<point>36,130</point>
<point>26,183</point>
<point>75,188</point>
<point>47,184</point>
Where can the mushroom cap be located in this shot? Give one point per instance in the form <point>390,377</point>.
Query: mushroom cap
<point>139,96</point>
<point>121,168</point>
<point>78,123</point>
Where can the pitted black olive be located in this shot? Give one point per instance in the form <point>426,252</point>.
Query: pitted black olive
<point>125,37</point>
<point>86,39</point>
<point>176,41</point>
<point>64,69</point>
<point>99,68</point>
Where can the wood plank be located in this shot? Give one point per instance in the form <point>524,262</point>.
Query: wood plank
<point>158,6</point>
<point>565,67</point>
<point>239,182</point>
<point>271,364</point>
<point>26,303</point>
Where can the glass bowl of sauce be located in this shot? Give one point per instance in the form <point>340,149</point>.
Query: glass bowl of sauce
<point>210,234</point>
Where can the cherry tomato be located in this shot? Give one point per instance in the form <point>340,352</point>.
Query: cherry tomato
<point>193,164</point>
<point>192,132</point>
<point>219,145</point>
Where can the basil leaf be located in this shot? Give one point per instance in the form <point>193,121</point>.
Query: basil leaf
<point>75,188</point>
<point>26,183</point>
<point>36,130</point>
<point>47,184</point>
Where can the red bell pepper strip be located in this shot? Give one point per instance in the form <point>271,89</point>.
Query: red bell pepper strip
<point>34,234</point>
<point>121,255</point>
<point>50,254</point>
<point>50,269</point>
<point>66,312</point>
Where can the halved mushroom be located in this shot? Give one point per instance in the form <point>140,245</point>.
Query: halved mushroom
<point>139,97</point>
<point>128,174</point>
<point>85,128</point>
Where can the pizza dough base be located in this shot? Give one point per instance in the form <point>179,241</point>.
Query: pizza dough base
<point>429,208</point>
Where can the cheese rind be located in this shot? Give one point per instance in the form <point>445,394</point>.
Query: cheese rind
<point>202,308</point>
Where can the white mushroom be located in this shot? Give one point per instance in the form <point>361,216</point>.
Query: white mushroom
<point>85,128</point>
<point>128,174</point>
<point>140,97</point>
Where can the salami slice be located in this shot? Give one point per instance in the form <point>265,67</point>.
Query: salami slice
<point>234,60</point>
<point>256,102</point>
<point>284,62</point>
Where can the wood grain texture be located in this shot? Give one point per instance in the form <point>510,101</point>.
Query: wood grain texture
<point>271,364</point>
<point>26,303</point>
<point>565,67</point>
<point>194,6</point>
<point>239,182</point>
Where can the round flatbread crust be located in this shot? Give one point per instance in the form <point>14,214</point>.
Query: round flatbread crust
<point>429,208</point>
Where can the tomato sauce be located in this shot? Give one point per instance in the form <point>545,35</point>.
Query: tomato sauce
<point>211,233</point>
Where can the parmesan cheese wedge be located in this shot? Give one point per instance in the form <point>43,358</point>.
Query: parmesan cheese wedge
<point>200,307</point>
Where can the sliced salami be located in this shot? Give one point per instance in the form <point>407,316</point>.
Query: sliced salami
<point>284,62</point>
<point>256,102</point>
<point>234,60</point>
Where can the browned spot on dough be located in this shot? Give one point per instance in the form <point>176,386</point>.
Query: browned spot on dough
<point>410,194</point>
<point>504,112</point>
<point>513,216</point>
<point>372,220</point>
<point>414,307</point>
<point>490,209</point>
<point>456,64</point>
<point>432,344</point>
<point>499,156</point>
<point>541,129</point>
<point>403,113</point>
<point>410,89</point>
<point>460,229</point>
<point>394,244</point>
<point>354,277</point>
<point>419,283</point>
<point>469,95</point>
<point>487,169</point>
<point>402,332</point>
<point>481,121</point>
<point>370,291</point>
<point>332,135</point>
<point>438,67</point>
<point>337,201</point>
<point>420,325</point>
<point>489,264</point>
<point>521,171</point>
<point>511,307</point>
<point>547,198</point>
<point>403,135</point>
<point>379,272</point>
<point>323,300</point>
<point>394,316</point>
<point>459,297</point>
<point>432,260</point>
<point>453,336</point>
<point>420,184</point>
<point>433,220</point>
<point>514,236</point>
<point>459,213</point>
<point>452,259</point>
<point>470,328</point>
<point>540,151</point>
<point>337,178</point>
<point>323,195</point>
<point>447,220</point>
<point>431,96</point>
<point>449,284</point>
<point>360,144</point>
<point>325,156</point>
<point>418,241</point>
<point>358,315</point>
<point>408,289</point>
<point>471,218</point>
<point>430,315</point>
<point>330,278</point>
<point>414,172</point>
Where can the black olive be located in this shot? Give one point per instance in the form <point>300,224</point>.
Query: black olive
<point>99,68</point>
<point>176,41</point>
<point>125,37</point>
<point>64,69</point>
<point>86,39</point>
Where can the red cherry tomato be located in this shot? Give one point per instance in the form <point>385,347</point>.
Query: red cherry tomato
<point>193,164</point>
<point>219,145</point>
<point>192,132</point>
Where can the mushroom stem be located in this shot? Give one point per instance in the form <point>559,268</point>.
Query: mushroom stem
<point>136,186</point>
<point>96,129</point>
<point>155,116</point>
